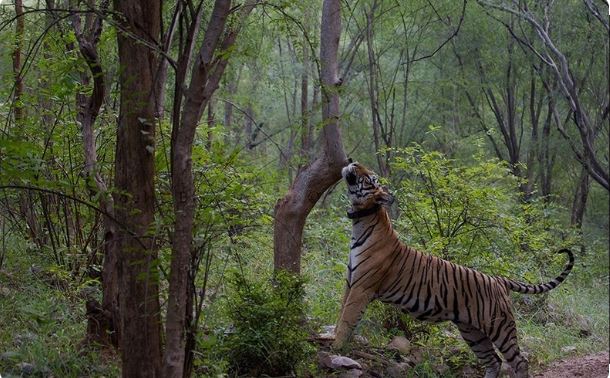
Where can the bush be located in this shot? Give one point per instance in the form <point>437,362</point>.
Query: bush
<point>268,316</point>
<point>473,215</point>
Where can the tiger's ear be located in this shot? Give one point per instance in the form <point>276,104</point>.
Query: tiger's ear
<point>384,197</point>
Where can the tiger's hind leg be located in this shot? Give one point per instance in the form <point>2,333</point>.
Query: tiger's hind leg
<point>506,342</point>
<point>483,348</point>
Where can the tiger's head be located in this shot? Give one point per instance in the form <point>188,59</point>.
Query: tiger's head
<point>363,188</point>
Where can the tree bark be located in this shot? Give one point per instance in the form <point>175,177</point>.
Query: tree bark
<point>579,203</point>
<point>546,160</point>
<point>17,66</point>
<point>374,92</point>
<point>207,70</point>
<point>305,111</point>
<point>103,321</point>
<point>135,197</point>
<point>26,205</point>
<point>310,183</point>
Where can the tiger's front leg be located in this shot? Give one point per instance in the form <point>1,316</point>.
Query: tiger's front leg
<point>354,302</point>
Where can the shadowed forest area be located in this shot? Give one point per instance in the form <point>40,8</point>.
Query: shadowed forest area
<point>171,201</point>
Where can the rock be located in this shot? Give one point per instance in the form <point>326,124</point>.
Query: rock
<point>401,344</point>
<point>327,333</point>
<point>415,357</point>
<point>583,324</point>
<point>398,370</point>
<point>361,340</point>
<point>5,291</point>
<point>25,338</point>
<point>568,349</point>
<point>334,362</point>
<point>441,369</point>
<point>27,368</point>
<point>344,362</point>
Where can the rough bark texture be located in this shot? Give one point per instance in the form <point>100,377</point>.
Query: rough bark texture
<point>311,181</point>
<point>135,198</point>
<point>207,71</point>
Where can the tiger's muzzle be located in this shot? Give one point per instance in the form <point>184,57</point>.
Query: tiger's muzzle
<point>349,174</point>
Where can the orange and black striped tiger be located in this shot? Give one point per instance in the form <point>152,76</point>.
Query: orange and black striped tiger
<point>381,267</point>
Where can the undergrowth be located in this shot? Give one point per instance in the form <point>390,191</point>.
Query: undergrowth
<point>43,323</point>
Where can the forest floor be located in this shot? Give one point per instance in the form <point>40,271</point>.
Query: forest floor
<point>591,366</point>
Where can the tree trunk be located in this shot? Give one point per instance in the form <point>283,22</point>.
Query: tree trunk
<point>135,198</point>
<point>579,203</point>
<point>305,112</point>
<point>311,181</point>
<point>374,92</point>
<point>102,321</point>
<point>17,66</point>
<point>26,205</point>
<point>231,86</point>
<point>559,66</point>
<point>210,124</point>
<point>207,70</point>
<point>546,161</point>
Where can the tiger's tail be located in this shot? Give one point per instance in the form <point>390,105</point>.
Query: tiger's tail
<point>524,288</point>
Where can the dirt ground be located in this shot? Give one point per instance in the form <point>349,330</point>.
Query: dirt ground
<point>591,366</point>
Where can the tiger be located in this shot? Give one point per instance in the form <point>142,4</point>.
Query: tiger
<point>381,267</point>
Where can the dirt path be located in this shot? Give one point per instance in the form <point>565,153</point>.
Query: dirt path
<point>591,366</point>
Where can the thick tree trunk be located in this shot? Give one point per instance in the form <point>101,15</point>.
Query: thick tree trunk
<point>135,198</point>
<point>311,181</point>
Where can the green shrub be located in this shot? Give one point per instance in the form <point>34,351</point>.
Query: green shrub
<point>268,317</point>
<point>473,215</point>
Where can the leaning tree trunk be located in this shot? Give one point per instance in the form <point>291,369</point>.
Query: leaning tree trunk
<point>313,180</point>
<point>134,179</point>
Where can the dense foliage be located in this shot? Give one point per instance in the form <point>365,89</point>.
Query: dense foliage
<point>268,334</point>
